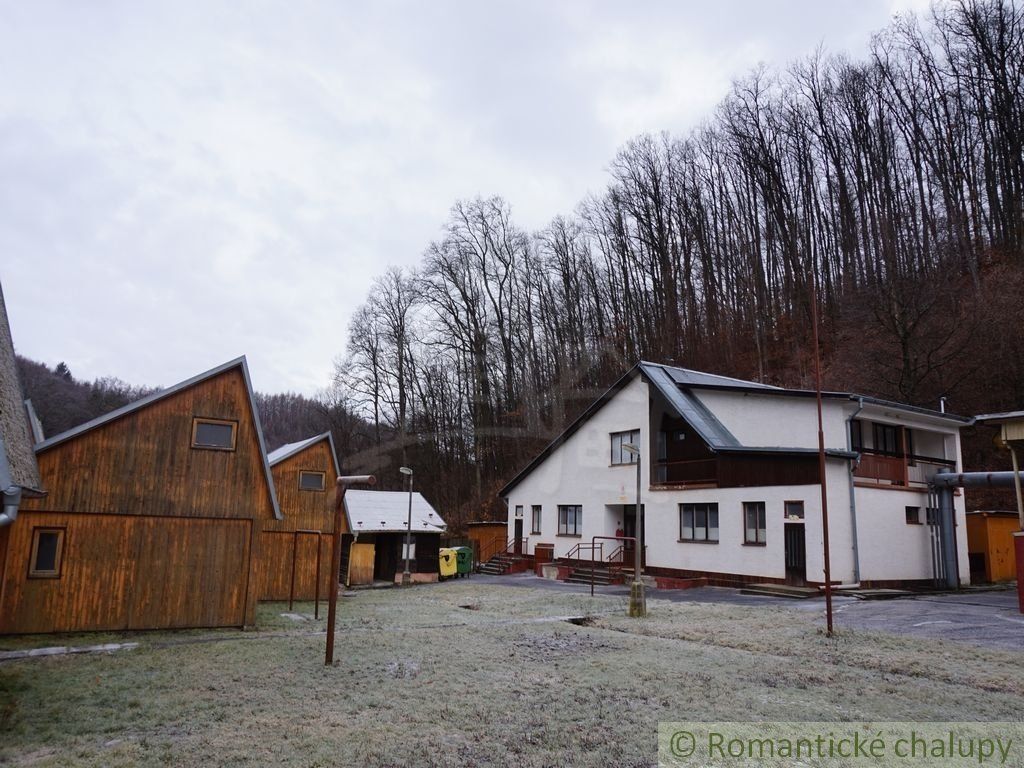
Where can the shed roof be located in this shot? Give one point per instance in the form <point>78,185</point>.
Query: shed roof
<point>387,511</point>
<point>17,459</point>
<point>238,362</point>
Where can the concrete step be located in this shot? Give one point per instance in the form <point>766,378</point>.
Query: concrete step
<point>781,590</point>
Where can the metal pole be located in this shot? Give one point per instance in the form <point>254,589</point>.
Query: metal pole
<point>1016,485</point>
<point>406,574</point>
<point>821,455</point>
<point>332,605</point>
<point>637,600</point>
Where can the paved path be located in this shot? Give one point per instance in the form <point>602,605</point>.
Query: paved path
<point>989,619</point>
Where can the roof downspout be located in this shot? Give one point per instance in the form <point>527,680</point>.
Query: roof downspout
<point>10,492</point>
<point>853,494</point>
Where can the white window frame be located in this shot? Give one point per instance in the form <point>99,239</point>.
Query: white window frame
<point>620,456</point>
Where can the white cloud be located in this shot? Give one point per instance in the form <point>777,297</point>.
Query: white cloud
<point>184,182</point>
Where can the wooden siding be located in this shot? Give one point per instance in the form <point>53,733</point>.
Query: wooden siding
<point>302,511</point>
<point>305,510</point>
<point>360,564</point>
<point>274,569</point>
<point>129,572</point>
<point>143,463</point>
<point>751,470</point>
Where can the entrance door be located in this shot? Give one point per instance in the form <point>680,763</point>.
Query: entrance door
<point>518,545</point>
<point>629,529</point>
<point>796,554</point>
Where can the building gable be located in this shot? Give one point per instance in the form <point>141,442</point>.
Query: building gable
<point>141,459</point>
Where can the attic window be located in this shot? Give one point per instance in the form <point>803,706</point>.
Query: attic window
<point>312,481</point>
<point>214,434</point>
<point>47,552</point>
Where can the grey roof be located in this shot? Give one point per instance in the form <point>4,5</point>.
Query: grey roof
<point>388,511</point>
<point>34,422</point>
<point>998,418</point>
<point>290,449</point>
<point>16,454</point>
<point>696,414</point>
<point>691,378</point>
<point>238,362</point>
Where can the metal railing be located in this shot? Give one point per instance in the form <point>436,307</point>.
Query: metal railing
<point>501,546</point>
<point>686,471</point>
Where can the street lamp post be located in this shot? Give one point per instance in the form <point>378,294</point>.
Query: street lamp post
<point>406,574</point>
<point>637,599</point>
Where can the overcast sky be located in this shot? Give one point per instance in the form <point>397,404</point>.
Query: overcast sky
<point>185,182</point>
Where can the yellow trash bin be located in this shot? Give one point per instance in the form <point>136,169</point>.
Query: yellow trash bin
<point>447,562</point>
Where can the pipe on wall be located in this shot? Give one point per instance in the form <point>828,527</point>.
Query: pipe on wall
<point>853,493</point>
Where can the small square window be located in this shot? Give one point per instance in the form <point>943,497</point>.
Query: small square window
<point>213,434</point>
<point>47,553</point>
<point>794,510</point>
<point>312,481</point>
<point>913,515</point>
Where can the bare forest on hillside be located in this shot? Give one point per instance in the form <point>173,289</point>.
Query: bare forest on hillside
<point>894,185</point>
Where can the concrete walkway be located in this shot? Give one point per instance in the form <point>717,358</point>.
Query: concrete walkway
<point>988,619</point>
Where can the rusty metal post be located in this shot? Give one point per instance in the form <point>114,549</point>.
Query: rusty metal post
<point>332,604</point>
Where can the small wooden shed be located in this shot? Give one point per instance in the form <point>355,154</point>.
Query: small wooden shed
<point>489,537</point>
<point>151,519</point>
<point>378,521</point>
<point>990,545</point>
<point>304,477</point>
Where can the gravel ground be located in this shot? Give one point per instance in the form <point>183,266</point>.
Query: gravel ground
<point>473,673</point>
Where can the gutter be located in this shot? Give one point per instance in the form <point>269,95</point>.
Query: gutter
<point>10,493</point>
<point>853,489</point>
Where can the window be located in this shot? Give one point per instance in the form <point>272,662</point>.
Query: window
<point>535,518</point>
<point>410,551</point>
<point>570,520</point>
<point>698,522</point>
<point>913,515</point>
<point>619,454</point>
<point>856,435</point>
<point>794,510</point>
<point>214,434</point>
<point>887,439</point>
<point>47,553</point>
<point>312,481</point>
<point>519,510</point>
<point>754,522</point>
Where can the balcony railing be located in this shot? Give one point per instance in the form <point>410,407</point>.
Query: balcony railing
<point>913,472</point>
<point>688,472</point>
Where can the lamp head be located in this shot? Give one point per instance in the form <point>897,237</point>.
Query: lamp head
<point>405,470</point>
<point>631,448</point>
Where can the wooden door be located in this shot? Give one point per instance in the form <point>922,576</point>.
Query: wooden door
<point>796,554</point>
<point>518,545</point>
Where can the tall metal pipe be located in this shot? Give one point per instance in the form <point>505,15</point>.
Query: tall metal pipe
<point>853,490</point>
<point>341,485</point>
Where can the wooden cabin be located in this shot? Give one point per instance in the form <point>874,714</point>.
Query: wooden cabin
<point>990,545</point>
<point>378,521</point>
<point>304,476</point>
<point>152,516</point>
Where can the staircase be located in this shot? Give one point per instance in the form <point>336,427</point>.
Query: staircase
<point>600,575</point>
<point>500,564</point>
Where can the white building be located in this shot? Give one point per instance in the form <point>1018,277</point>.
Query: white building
<point>733,490</point>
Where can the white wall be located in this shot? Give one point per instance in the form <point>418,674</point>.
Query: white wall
<point>579,472</point>
<point>778,420</point>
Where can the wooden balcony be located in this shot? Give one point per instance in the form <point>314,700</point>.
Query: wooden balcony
<point>908,472</point>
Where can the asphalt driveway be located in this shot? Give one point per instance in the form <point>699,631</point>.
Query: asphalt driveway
<point>989,619</point>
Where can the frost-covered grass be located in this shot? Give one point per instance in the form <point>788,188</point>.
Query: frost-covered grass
<point>423,681</point>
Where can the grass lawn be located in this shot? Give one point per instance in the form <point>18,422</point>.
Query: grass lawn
<point>425,681</point>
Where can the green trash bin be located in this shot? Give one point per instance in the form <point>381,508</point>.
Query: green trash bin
<point>464,560</point>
